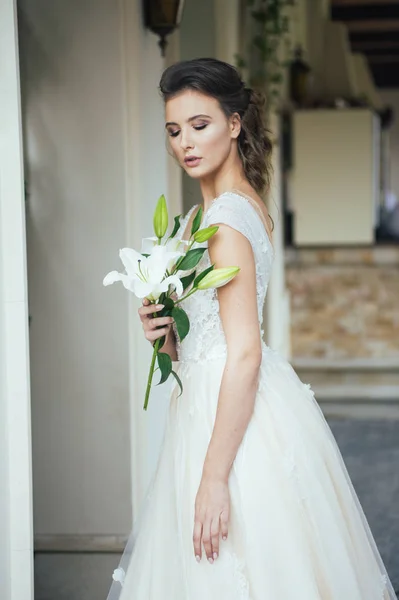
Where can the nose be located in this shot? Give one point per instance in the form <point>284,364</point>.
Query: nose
<point>185,139</point>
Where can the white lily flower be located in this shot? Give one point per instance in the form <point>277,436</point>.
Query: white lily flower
<point>145,276</point>
<point>172,245</point>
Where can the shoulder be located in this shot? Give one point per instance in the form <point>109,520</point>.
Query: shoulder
<point>234,210</point>
<point>237,212</point>
<point>229,201</point>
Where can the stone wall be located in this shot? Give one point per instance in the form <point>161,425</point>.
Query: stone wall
<point>344,302</point>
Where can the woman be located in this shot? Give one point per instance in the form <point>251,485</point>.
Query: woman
<point>251,499</point>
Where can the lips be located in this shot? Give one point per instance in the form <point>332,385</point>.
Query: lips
<point>192,161</point>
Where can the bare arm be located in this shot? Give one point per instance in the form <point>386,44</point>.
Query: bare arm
<point>239,314</point>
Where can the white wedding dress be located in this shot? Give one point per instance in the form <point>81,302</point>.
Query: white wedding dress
<point>297,529</point>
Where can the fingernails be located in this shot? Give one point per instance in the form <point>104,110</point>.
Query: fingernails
<point>225,537</point>
<point>210,559</point>
<point>198,558</point>
<point>215,555</point>
<point>160,306</point>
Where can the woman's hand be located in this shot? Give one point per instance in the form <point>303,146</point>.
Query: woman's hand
<point>151,323</point>
<point>212,512</point>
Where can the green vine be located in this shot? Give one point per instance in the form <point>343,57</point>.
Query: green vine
<point>270,30</point>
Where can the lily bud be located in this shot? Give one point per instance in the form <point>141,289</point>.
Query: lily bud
<point>204,235</point>
<point>161,218</point>
<point>218,278</point>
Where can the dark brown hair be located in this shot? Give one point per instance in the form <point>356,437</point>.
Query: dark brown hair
<point>222,81</point>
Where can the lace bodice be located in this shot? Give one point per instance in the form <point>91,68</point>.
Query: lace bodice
<point>206,340</point>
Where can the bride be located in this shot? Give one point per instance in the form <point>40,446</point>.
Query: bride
<point>251,499</point>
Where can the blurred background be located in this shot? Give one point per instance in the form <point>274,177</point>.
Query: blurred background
<point>83,160</point>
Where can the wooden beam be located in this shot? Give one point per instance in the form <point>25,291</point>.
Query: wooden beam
<point>383,59</point>
<point>374,36</point>
<point>370,26</point>
<point>369,12</point>
<point>362,2</point>
<point>376,48</point>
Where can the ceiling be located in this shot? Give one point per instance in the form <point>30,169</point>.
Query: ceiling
<point>373,27</point>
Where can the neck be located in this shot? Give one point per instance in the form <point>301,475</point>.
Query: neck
<point>228,177</point>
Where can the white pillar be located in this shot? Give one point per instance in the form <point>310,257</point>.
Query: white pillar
<point>277,309</point>
<point>16,546</point>
<point>227,29</point>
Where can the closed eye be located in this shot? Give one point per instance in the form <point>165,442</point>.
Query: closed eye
<point>197,127</point>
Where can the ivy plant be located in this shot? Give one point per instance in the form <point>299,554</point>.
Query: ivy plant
<point>270,30</point>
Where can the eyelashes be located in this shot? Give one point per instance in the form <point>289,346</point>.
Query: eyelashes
<point>198,128</point>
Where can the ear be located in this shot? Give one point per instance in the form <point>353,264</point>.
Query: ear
<point>235,125</point>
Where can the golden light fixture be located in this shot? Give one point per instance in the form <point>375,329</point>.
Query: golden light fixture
<point>162,17</point>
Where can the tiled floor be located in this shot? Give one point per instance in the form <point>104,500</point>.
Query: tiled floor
<point>371,452</point>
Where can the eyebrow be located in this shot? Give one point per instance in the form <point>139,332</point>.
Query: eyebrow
<point>189,120</point>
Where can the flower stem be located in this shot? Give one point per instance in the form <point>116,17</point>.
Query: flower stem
<point>189,294</point>
<point>151,373</point>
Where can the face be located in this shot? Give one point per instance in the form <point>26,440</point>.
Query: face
<point>201,136</point>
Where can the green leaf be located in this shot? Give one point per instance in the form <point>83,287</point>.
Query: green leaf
<point>241,63</point>
<point>260,16</point>
<point>165,365</point>
<point>197,221</point>
<point>203,274</point>
<point>182,322</point>
<point>191,259</point>
<point>168,303</point>
<point>162,342</point>
<point>175,375</point>
<point>176,226</point>
<point>187,280</point>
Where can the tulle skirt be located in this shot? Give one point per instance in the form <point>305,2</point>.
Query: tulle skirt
<point>296,529</point>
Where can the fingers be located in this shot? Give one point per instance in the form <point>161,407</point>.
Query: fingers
<point>224,521</point>
<point>197,534</point>
<point>153,334</point>
<point>157,327</point>
<point>206,540</point>
<point>209,532</point>
<point>159,322</point>
<point>208,535</point>
<point>215,539</point>
<point>148,309</point>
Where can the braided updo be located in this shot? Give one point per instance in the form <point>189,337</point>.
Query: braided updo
<point>222,81</point>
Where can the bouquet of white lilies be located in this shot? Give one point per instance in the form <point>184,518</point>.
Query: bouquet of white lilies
<point>163,273</point>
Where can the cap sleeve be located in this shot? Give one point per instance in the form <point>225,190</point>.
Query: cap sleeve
<point>238,213</point>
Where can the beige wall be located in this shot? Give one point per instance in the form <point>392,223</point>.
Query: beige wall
<point>197,40</point>
<point>76,224</point>
<point>94,138</point>
<point>334,183</point>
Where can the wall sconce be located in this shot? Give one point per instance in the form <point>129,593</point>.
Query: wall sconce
<point>162,17</point>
